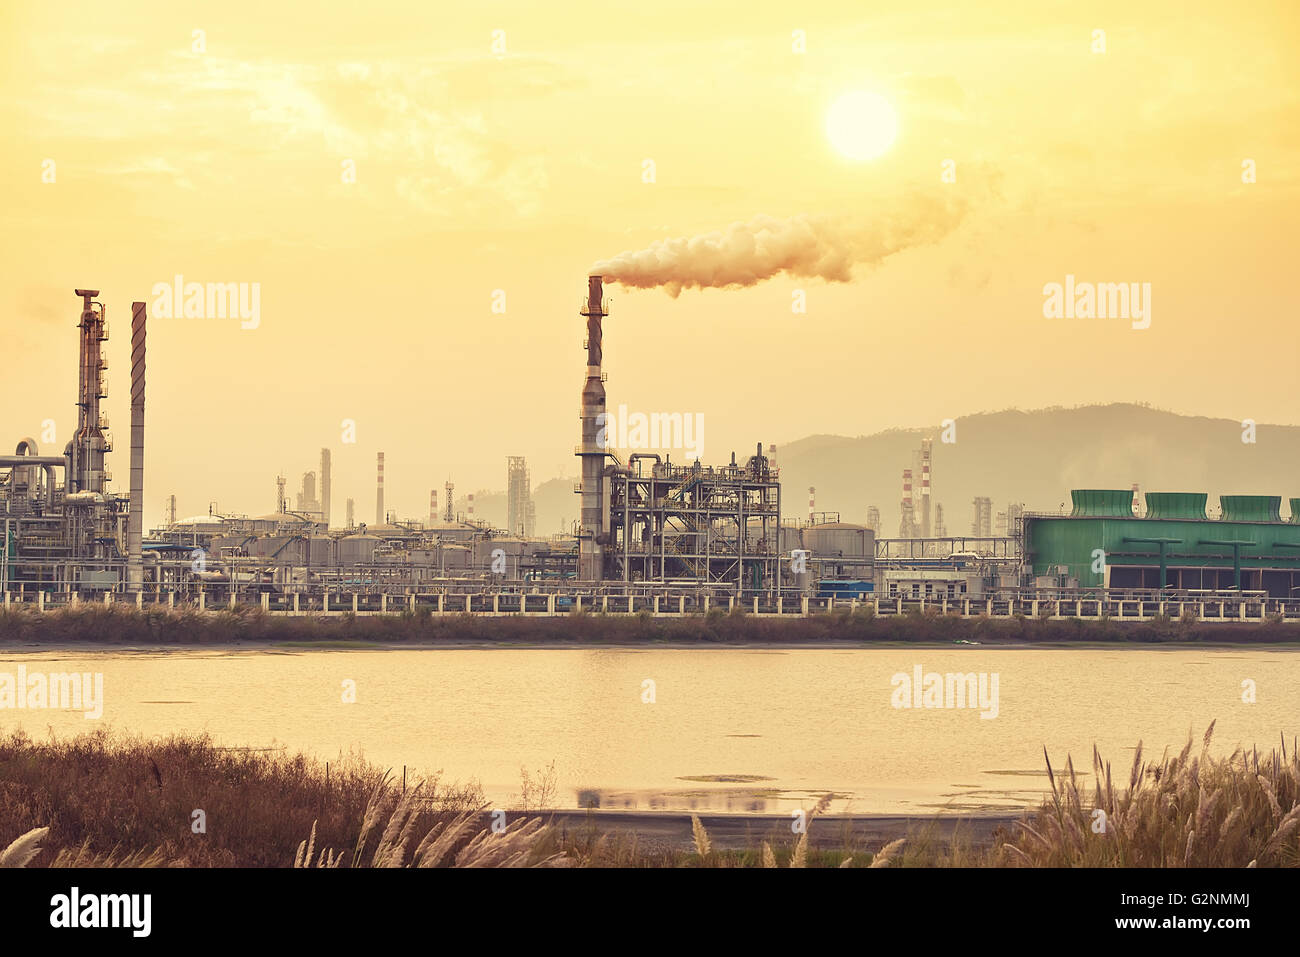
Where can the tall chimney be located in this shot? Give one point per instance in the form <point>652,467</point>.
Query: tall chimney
<point>470,507</point>
<point>591,532</point>
<point>325,486</point>
<point>812,502</point>
<point>379,492</point>
<point>433,506</point>
<point>135,517</point>
<point>450,514</point>
<point>351,513</point>
<point>925,487</point>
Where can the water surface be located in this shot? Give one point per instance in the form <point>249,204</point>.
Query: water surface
<point>744,730</point>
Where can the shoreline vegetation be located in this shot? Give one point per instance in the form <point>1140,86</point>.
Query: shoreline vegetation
<point>115,625</point>
<point>108,800</point>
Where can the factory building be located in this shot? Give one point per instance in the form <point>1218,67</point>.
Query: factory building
<point>664,522</point>
<point>1174,546</point>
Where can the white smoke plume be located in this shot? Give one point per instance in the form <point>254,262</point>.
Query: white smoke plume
<point>822,246</point>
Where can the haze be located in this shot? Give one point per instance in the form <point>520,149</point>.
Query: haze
<point>479,171</point>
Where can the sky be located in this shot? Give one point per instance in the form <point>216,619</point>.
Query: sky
<point>418,192</point>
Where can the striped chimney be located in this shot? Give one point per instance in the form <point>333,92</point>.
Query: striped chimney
<point>135,517</point>
<point>812,501</point>
<point>379,492</point>
<point>470,499</point>
<point>907,486</point>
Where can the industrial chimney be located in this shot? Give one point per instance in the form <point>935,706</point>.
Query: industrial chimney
<point>433,506</point>
<point>926,445</point>
<point>325,486</point>
<point>135,517</point>
<point>591,533</point>
<point>812,502</point>
<point>907,524</point>
<point>379,492</point>
<point>470,507</point>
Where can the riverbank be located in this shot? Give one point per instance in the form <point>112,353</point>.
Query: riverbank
<point>118,626</point>
<point>104,800</point>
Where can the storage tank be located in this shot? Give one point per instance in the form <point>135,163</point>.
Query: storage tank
<point>455,557</point>
<point>839,540</point>
<point>320,550</point>
<point>354,549</point>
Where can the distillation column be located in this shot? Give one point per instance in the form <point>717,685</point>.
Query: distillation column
<point>591,533</point>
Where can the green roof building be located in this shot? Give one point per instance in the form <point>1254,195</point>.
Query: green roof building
<point>1175,545</point>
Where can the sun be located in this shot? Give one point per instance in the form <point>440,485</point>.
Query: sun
<point>861,125</point>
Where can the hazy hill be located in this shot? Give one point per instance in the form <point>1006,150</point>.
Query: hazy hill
<point>1037,458</point>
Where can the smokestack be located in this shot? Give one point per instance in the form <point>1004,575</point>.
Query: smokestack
<point>925,488</point>
<point>812,502</point>
<point>470,507</point>
<point>135,517</point>
<point>325,486</point>
<point>379,492</point>
<point>591,532</point>
<point>450,515</point>
<point>433,506</point>
<point>171,510</point>
<point>907,522</point>
<point>351,513</point>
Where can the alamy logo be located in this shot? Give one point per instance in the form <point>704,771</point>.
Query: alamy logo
<point>953,690</point>
<point>1102,300</point>
<point>61,690</point>
<point>179,299</point>
<point>682,431</point>
<point>75,909</point>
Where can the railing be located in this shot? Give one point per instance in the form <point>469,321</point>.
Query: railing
<point>667,603</point>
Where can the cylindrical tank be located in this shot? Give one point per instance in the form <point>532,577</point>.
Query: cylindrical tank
<point>839,540</point>
<point>320,550</point>
<point>357,548</point>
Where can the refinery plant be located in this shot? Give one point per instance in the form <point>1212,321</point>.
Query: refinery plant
<point>653,535</point>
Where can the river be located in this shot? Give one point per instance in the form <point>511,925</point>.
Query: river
<point>718,730</point>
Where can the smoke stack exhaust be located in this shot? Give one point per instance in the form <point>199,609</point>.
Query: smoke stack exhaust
<point>804,246</point>
<point>135,517</point>
<point>379,492</point>
<point>591,560</point>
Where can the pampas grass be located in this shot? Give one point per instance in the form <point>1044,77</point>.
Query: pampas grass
<point>23,848</point>
<point>1192,810</point>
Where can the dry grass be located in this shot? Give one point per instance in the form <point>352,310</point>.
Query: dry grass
<point>113,797</point>
<point>1190,810</point>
